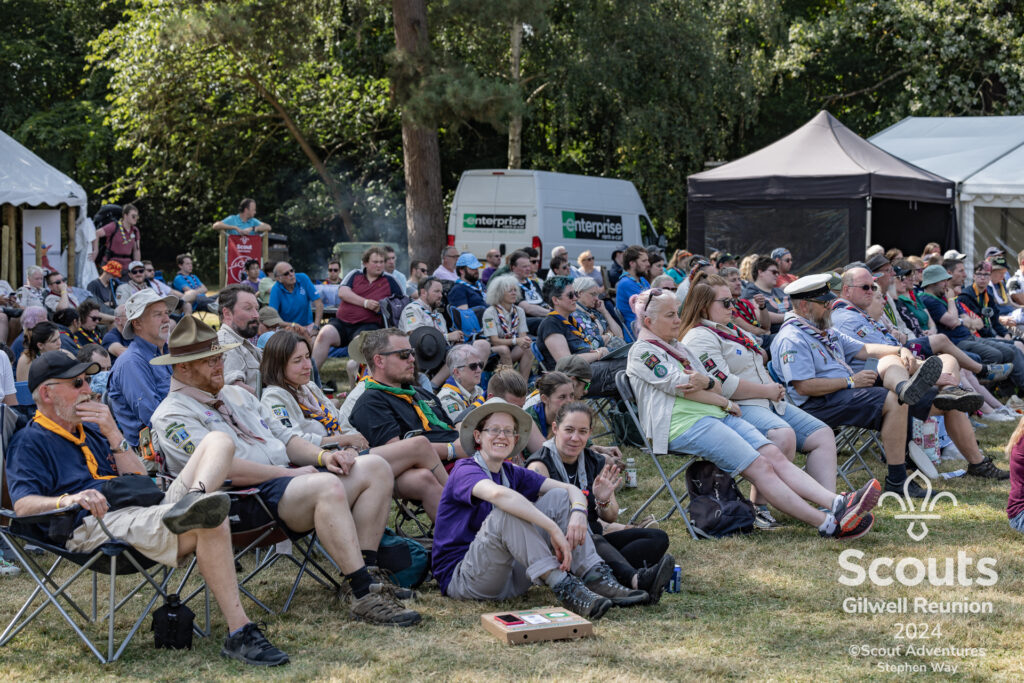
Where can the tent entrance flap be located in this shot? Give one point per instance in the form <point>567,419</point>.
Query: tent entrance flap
<point>910,225</point>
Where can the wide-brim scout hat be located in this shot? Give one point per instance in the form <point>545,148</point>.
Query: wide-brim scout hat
<point>811,288</point>
<point>430,346</point>
<point>138,303</point>
<point>192,339</point>
<point>495,405</point>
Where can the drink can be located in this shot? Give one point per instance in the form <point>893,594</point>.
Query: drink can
<point>676,585</point>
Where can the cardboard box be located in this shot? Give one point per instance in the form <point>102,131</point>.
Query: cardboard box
<point>537,624</point>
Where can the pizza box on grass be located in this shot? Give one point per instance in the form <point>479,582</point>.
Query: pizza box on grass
<point>537,624</point>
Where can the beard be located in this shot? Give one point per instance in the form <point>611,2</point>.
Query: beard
<point>67,412</point>
<point>471,276</point>
<point>824,321</point>
<point>249,330</point>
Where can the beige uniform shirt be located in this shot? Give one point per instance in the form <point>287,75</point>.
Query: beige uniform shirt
<point>241,362</point>
<point>416,314</point>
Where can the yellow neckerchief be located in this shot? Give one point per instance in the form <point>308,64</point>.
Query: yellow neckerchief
<point>978,294</point>
<point>469,399</point>
<point>90,459</point>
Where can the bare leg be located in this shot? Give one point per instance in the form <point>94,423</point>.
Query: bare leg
<point>525,359</point>
<point>418,484</point>
<point>894,430</point>
<point>940,344</point>
<point>319,500</point>
<point>892,372</point>
<point>209,465</point>
<point>958,426</point>
<point>821,458</point>
<point>785,441</point>
<point>326,339</point>
<point>440,376</point>
<point>761,473</point>
<point>368,487</point>
<point>416,452</point>
<point>217,565</point>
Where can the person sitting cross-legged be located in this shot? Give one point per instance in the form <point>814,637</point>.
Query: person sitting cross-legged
<point>343,497</point>
<point>73,447</point>
<point>501,528</point>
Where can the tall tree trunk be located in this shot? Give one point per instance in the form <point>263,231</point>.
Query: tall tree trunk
<point>515,126</point>
<point>424,215</point>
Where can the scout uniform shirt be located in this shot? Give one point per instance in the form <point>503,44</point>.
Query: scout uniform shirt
<point>417,314</point>
<point>798,354</point>
<point>454,398</point>
<point>180,423</point>
<point>241,362</point>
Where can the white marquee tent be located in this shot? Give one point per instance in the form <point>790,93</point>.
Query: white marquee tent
<point>984,156</point>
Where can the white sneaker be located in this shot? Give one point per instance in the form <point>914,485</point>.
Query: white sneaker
<point>998,416</point>
<point>951,452</point>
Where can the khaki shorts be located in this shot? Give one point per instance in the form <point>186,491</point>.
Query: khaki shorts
<point>140,527</point>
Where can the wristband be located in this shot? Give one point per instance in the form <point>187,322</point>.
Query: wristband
<point>60,498</point>
<point>320,458</point>
<point>364,303</point>
<point>849,383</point>
<point>602,503</point>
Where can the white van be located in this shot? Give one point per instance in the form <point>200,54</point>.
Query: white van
<point>511,209</point>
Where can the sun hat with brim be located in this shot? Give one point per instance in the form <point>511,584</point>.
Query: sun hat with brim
<point>430,347</point>
<point>192,339</point>
<point>57,365</point>
<point>113,268</point>
<point>933,274</point>
<point>137,304</point>
<point>495,405</point>
<point>355,348</point>
<point>270,317</point>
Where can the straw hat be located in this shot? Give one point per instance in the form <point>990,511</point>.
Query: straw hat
<point>191,340</point>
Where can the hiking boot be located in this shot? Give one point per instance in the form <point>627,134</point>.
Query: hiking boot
<point>197,510</point>
<point>577,598</point>
<point>955,398</point>
<point>912,489</point>
<point>765,520</point>
<point>995,372</point>
<point>864,526</point>
<point>986,469</point>
<point>378,607</point>
<point>914,389</point>
<point>854,506</point>
<point>654,580</point>
<point>387,579</point>
<point>602,581</point>
<point>252,647</point>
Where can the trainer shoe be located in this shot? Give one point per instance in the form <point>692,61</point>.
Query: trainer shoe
<point>914,389</point>
<point>866,522</point>
<point>996,372</point>
<point>252,647</point>
<point>602,581</point>
<point>576,597</point>
<point>912,489</point>
<point>855,506</point>
<point>765,520</point>
<point>378,607</point>
<point>197,510</point>
<point>986,469</point>
<point>955,398</point>
<point>387,579</point>
<point>654,580</point>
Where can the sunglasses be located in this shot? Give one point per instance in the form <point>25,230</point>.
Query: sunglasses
<point>136,271</point>
<point>866,288</point>
<point>94,319</point>
<point>535,260</point>
<point>333,270</point>
<point>76,383</point>
<point>726,303</point>
<point>589,258</point>
<point>57,282</point>
<point>288,272</point>
<point>571,294</point>
<point>404,354</point>
<point>471,366</point>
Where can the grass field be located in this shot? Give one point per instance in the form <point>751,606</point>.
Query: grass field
<point>761,606</point>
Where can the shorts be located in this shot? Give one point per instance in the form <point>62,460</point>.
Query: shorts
<point>347,332</point>
<point>802,423</point>
<point>921,346</point>
<point>729,442</point>
<point>246,512</point>
<point>140,527</point>
<point>861,407</point>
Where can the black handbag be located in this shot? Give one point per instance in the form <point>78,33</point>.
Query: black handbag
<point>131,490</point>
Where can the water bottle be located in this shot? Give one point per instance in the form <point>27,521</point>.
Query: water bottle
<point>631,473</point>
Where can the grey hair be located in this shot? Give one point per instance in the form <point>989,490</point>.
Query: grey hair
<point>32,270</point>
<point>662,281</point>
<point>654,306</point>
<point>583,284</point>
<point>497,287</point>
<point>728,272</point>
<point>459,355</point>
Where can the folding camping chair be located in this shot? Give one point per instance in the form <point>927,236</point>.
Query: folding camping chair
<point>629,400</point>
<point>858,441</point>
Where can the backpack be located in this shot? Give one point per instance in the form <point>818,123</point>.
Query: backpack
<point>391,309</point>
<point>717,507</point>
<point>406,559</point>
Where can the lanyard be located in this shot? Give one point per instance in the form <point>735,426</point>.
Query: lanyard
<point>479,460</point>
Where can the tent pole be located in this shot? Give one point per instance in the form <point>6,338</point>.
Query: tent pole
<point>867,225</point>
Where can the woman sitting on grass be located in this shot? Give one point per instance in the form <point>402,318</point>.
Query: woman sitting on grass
<point>501,528</point>
<point>683,411</point>
<point>637,556</point>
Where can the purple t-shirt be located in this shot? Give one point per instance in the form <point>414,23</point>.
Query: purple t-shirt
<point>460,515</point>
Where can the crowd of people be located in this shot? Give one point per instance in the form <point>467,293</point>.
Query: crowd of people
<point>470,388</point>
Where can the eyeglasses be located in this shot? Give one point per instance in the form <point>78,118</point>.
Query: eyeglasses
<point>586,385</point>
<point>589,258</point>
<point>507,432</point>
<point>773,272</point>
<point>76,383</point>
<point>404,354</point>
<point>726,303</point>
<point>671,289</point>
<point>472,366</point>
<point>56,282</point>
<point>136,271</point>
<point>333,270</point>
<point>866,288</point>
<point>94,318</point>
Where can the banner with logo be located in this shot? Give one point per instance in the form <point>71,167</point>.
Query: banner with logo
<point>591,226</point>
<point>486,221</point>
<point>241,248</point>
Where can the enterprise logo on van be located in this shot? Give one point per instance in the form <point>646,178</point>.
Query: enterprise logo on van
<point>591,226</point>
<point>482,221</point>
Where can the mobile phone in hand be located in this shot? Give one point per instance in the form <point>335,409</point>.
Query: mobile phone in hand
<point>871,364</point>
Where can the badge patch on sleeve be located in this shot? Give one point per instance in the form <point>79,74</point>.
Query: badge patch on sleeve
<point>719,375</point>
<point>652,361</point>
<point>862,331</point>
<point>709,364</point>
<point>660,370</point>
<point>789,356</point>
<point>281,413</point>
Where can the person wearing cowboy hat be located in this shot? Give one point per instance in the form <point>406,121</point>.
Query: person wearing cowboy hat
<point>135,387</point>
<point>392,404</point>
<point>299,481</point>
<point>501,528</point>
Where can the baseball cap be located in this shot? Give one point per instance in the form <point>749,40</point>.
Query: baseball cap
<point>992,251</point>
<point>467,260</point>
<point>270,317</point>
<point>57,365</point>
<point>135,264</point>
<point>954,255</point>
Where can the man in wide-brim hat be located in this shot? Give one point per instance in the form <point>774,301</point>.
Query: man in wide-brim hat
<point>299,482</point>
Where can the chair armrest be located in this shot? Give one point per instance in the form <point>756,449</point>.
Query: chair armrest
<point>42,516</point>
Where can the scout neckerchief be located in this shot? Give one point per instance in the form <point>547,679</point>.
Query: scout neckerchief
<point>843,304</point>
<point>479,460</point>
<point>90,337</point>
<point>476,287</point>
<point>649,337</point>
<point>982,303</point>
<point>423,409</point>
<point>467,398</point>
<point>745,309</point>
<point>1000,288</point>
<point>889,312</point>
<point>90,459</point>
<point>572,324</point>
<point>126,237</point>
<point>321,413</point>
<point>826,338</point>
<point>509,326</point>
<point>221,406</point>
<point>542,416</point>
<point>581,472</point>
<point>67,335</point>
<point>736,336</point>
<point>435,317</point>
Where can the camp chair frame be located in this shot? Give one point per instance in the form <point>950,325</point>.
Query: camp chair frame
<point>858,441</point>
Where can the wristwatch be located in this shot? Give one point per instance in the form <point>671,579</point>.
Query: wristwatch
<point>123,446</point>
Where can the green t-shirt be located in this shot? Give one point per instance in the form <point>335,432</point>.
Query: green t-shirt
<point>685,414</point>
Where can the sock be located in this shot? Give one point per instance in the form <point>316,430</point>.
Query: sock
<point>555,577</point>
<point>360,581</point>
<point>370,558</point>
<point>984,369</point>
<point>828,527</point>
<point>897,473</point>
<point>232,634</point>
<point>762,506</point>
<point>836,502</point>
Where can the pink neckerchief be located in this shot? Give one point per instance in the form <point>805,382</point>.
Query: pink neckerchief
<point>218,404</point>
